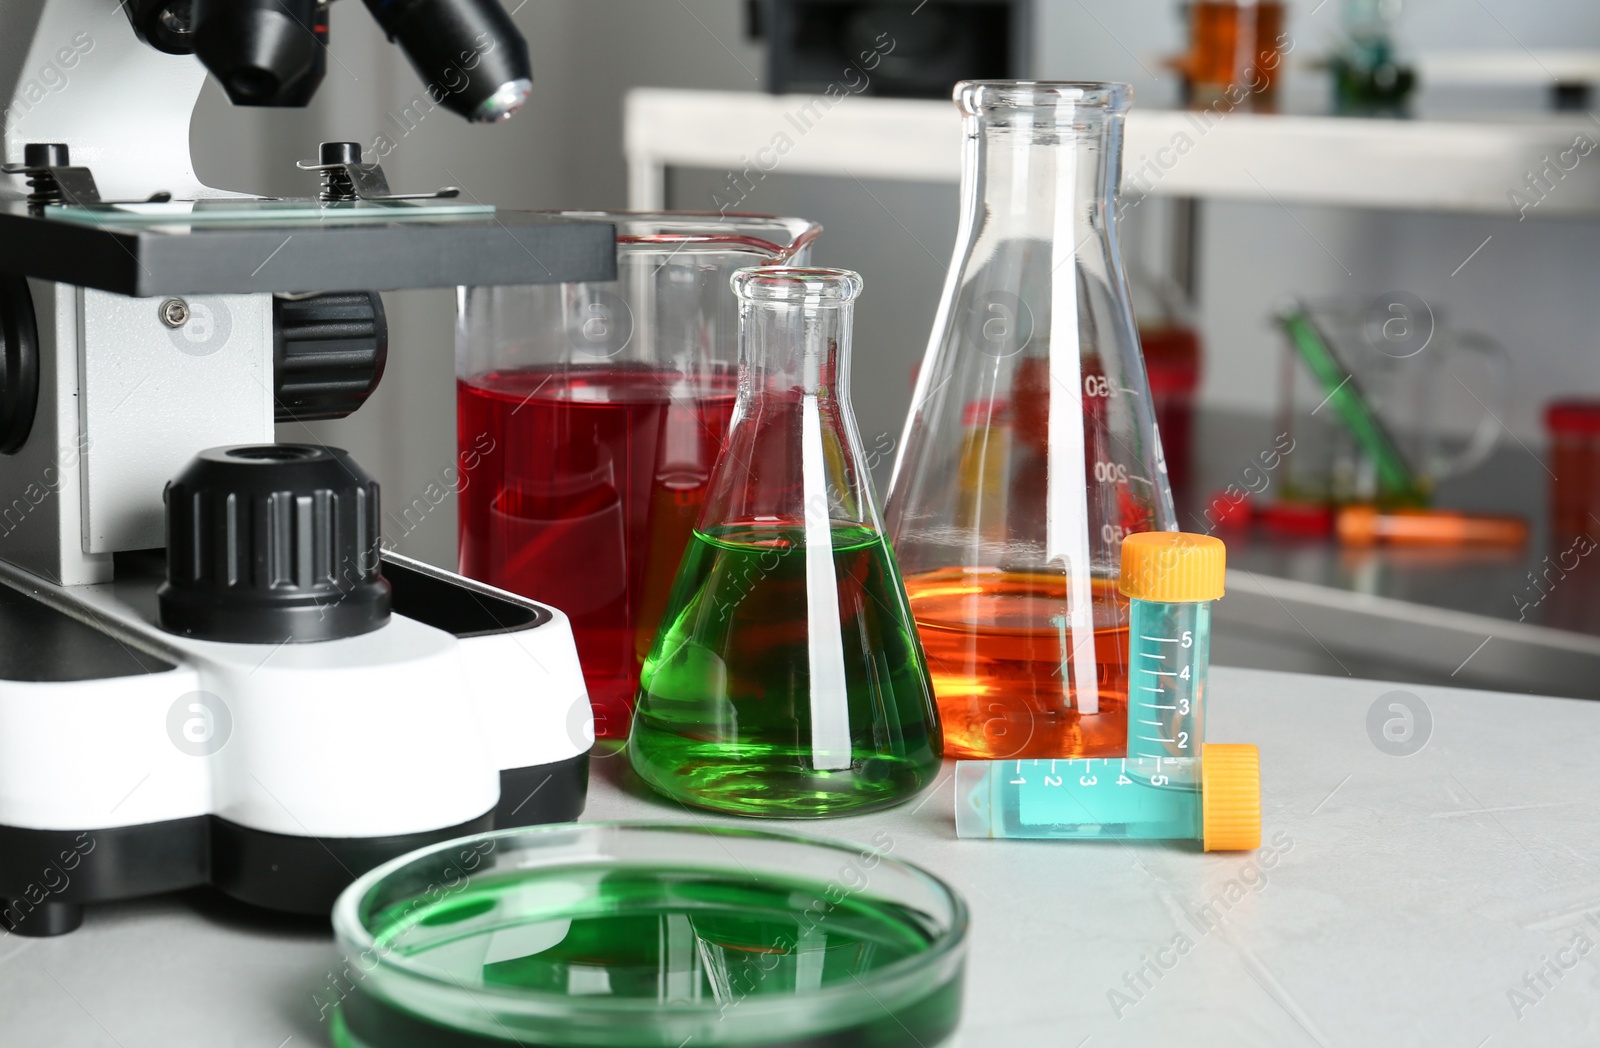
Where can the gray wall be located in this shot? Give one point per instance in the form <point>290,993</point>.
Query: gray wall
<point>1531,287</point>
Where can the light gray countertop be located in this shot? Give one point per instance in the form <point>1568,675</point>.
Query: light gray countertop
<point>1397,900</point>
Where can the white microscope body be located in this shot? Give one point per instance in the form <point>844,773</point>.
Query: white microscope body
<point>134,759</point>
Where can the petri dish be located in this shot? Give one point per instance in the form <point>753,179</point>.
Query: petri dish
<point>646,935</point>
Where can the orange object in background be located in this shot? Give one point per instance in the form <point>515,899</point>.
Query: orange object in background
<point>1368,526</point>
<point>1574,428</point>
<point>1234,53</point>
<point>998,650</point>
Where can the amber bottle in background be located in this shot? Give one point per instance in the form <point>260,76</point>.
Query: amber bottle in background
<point>1236,53</point>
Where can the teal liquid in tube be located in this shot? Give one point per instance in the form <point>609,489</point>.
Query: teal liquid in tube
<point>1170,786</point>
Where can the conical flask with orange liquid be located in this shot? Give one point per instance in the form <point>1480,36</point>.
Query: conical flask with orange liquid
<point>1031,449</point>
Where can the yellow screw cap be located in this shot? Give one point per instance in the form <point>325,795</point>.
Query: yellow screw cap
<point>1172,566</point>
<point>1230,796</point>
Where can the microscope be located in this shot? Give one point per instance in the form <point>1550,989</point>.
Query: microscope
<point>211,669</point>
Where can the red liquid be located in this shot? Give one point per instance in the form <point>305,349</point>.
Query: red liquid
<point>580,489</point>
<point>1172,362</point>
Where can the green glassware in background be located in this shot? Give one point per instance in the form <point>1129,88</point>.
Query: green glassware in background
<point>1398,484</point>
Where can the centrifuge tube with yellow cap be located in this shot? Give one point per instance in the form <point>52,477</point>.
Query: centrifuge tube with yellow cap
<point>1171,785</point>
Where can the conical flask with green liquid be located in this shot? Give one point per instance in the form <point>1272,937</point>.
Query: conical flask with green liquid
<point>786,678</point>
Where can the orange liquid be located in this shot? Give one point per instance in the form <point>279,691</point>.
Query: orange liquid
<point>1235,46</point>
<point>998,652</point>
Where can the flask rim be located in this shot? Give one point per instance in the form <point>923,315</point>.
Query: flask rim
<point>808,285</point>
<point>976,97</point>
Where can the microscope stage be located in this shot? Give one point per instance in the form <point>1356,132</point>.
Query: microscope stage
<point>299,246</point>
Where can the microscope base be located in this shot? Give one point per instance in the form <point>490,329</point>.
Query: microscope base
<point>275,871</point>
<point>134,762</point>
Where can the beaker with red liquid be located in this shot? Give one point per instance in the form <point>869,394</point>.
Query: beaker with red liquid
<point>588,419</point>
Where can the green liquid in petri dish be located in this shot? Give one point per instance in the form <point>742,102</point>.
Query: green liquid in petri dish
<point>731,713</point>
<point>641,935</point>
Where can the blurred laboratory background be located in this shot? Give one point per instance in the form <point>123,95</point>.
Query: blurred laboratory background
<point>1367,279</point>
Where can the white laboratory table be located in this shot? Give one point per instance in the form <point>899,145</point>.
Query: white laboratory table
<point>1446,897</point>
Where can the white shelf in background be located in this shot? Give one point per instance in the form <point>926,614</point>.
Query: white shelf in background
<point>1428,165</point>
<point>1508,67</point>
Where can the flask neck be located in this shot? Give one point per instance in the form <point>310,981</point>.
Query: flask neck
<point>792,453</point>
<point>1039,155</point>
<point>793,351</point>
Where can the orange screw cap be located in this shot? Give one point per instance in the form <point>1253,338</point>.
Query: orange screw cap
<point>1230,796</point>
<point>1172,566</point>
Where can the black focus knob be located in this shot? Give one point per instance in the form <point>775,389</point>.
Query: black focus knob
<point>328,353</point>
<point>273,542</point>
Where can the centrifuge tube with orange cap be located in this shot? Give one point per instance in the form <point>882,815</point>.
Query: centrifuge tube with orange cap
<point>1171,784</point>
<point>786,678</point>
<point>1031,450</point>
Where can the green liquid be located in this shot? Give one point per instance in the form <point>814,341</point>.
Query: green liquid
<point>725,708</point>
<point>677,937</point>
